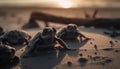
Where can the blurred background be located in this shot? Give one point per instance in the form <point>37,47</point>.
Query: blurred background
<point>17,12</point>
<point>61,3</point>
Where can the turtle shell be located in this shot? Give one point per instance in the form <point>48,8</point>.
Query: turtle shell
<point>63,34</point>
<point>16,37</point>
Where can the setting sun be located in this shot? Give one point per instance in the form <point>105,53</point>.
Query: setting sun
<point>65,3</point>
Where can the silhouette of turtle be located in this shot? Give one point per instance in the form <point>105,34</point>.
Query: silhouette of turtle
<point>7,55</point>
<point>46,41</point>
<point>15,37</point>
<point>70,32</point>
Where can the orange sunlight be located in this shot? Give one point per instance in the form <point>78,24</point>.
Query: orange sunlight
<point>65,3</point>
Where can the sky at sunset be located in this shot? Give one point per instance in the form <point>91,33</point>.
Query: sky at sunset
<point>61,3</point>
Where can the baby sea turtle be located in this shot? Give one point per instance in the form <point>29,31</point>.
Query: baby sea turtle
<point>16,37</point>
<point>7,55</point>
<point>46,40</point>
<point>70,32</point>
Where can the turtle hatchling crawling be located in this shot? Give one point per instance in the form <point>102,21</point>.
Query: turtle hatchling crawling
<point>45,41</point>
<point>7,55</point>
<point>70,32</point>
<point>16,37</point>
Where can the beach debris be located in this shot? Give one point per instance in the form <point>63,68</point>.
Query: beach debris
<point>16,37</point>
<point>69,63</point>
<point>108,61</point>
<point>96,48</point>
<point>81,54</point>
<point>108,49</point>
<point>82,61</point>
<point>88,21</point>
<point>112,33</point>
<point>96,58</point>
<point>102,60</point>
<point>117,51</point>
<point>95,53</point>
<point>91,43</point>
<point>111,42</point>
<point>85,49</point>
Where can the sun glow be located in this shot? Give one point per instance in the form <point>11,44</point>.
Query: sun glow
<point>65,3</point>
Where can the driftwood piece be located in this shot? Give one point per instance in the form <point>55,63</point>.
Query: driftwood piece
<point>88,21</point>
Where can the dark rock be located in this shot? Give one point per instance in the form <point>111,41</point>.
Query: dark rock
<point>81,54</point>
<point>83,60</point>
<point>95,53</point>
<point>116,51</point>
<point>96,58</point>
<point>108,49</point>
<point>85,49</point>
<point>108,61</point>
<point>69,63</point>
<point>91,43</point>
<point>111,42</point>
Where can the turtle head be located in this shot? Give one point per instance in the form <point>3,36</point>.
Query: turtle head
<point>48,32</point>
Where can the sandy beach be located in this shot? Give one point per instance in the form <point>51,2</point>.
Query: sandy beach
<point>85,57</point>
